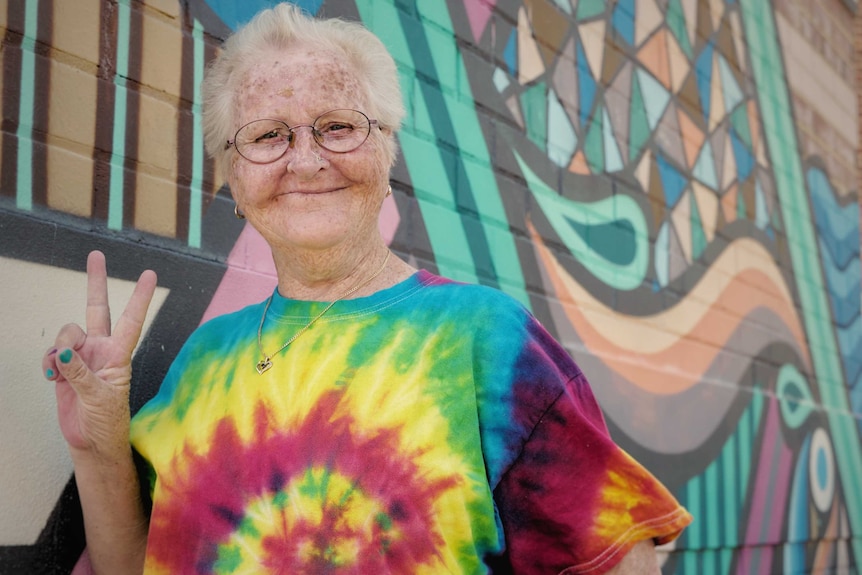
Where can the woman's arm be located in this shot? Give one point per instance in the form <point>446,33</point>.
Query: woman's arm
<point>640,560</point>
<point>114,519</point>
<point>92,373</point>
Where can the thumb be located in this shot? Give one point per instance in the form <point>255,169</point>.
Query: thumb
<point>74,370</point>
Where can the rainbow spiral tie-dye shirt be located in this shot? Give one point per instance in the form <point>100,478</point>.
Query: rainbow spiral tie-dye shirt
<point>432,427</point>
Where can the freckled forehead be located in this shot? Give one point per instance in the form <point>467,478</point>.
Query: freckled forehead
<point>297,85</point>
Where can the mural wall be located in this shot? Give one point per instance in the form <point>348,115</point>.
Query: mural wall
<point>669,185</point>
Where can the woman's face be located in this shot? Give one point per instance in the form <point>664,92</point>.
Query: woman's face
<point>300,201</point>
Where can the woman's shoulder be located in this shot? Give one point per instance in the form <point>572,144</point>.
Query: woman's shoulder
<point>470,296</point>
<point>480,306</point>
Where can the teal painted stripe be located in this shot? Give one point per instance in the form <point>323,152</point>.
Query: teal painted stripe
<point>710,562</point>
<point>24,133</point>
<point>710,496</point>
<point>690,560</point>
<point>436,197</point>
<point>775,110</point>
<point>196,186</point>
<point>746,424</point>
<point>729,478</point>
<point>118,144</point>
<point>717,496</point>
<point>726,559</point>
<point>693,501</point>
<point>445,231</point>
<point>471,142</point>
<point>421,154</point>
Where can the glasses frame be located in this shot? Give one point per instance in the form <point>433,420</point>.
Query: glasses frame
<point>316,135</point>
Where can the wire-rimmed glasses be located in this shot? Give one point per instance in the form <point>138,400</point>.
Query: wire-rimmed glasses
<point>264,141</point>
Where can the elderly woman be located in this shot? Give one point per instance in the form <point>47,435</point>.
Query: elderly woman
<point>367,417</point>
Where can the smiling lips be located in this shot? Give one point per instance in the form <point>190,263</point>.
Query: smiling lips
<point>313,192</point>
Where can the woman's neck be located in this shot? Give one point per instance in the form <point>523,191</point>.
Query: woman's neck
<point>326,275</point>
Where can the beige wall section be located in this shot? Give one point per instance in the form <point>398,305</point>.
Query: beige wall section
<point>72,107</point>
<point>161,70</point>
<point>169,8</point>
<point>817,44</point>
<point>157,140</point>
<point>156,188</point>
<point>812,76</point>
<point>162,47</point>
<point>77,28</point>
<point>155,204</point>
<point>70,181</point>
<point>71,133</point>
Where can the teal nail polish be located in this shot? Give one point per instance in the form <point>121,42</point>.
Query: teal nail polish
<point>66,355</point>
<point>49,374</point>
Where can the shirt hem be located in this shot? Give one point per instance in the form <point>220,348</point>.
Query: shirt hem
<point>652,529</point>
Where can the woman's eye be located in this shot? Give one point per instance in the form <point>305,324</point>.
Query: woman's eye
<point>268,136</point>
<point>336,127</point>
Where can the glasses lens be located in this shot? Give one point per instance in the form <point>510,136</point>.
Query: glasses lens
<point>263,141</point>
<point>341,130</point>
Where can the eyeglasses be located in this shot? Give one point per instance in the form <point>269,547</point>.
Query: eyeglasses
<point>265,141</point>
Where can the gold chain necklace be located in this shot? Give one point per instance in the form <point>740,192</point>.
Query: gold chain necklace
<point>266,363</point>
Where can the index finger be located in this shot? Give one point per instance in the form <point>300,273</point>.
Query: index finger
<point>98,311</point>
<point>129,325</point>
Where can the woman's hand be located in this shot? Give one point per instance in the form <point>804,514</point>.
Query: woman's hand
<point>92,370</point>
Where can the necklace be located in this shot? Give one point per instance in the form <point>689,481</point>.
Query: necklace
<point>266,363</point>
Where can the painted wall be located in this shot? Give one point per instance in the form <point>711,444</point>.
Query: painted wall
<point>670,186</point>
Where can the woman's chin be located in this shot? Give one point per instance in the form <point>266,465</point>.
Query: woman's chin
<point>318,228</point>
<point>321,238</point>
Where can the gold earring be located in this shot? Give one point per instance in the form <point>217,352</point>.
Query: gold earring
<point>239,215</point>
<point>389,191</point>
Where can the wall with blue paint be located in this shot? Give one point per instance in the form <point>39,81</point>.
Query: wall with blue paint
<point>670,185</point>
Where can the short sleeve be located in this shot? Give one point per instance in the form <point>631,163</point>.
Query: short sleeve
<point>573,501</point>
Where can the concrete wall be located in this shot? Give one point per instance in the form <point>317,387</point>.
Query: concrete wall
<point>670,185</point>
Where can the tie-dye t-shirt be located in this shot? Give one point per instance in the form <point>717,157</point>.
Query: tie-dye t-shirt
<point>433,427</point>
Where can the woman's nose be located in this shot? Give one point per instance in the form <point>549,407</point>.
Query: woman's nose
<point>304,152</point>
<point>294,133</point>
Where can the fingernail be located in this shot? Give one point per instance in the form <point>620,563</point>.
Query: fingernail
<point>49,373</point>
<point>66,355</point>
<point>53,351</point>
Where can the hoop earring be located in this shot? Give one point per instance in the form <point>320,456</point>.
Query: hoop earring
<point>239,215</point>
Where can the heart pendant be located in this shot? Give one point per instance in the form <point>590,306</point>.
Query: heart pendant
<point>263,365</point>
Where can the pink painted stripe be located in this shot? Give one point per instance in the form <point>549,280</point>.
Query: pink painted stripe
<point>249,278</point>
<point>769,502</point>
<point>744,565</point>
<point>764,469</point>
<point>780,494</point>
<point>83,566</point>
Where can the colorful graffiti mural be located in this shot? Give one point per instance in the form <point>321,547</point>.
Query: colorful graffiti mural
<point>638,173</point>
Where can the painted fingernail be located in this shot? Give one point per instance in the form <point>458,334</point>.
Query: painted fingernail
<point>49,373</point>
<point>66,355</point>
<point>53,351</point>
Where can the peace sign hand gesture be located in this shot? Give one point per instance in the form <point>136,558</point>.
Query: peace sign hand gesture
<point>92,370</point>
